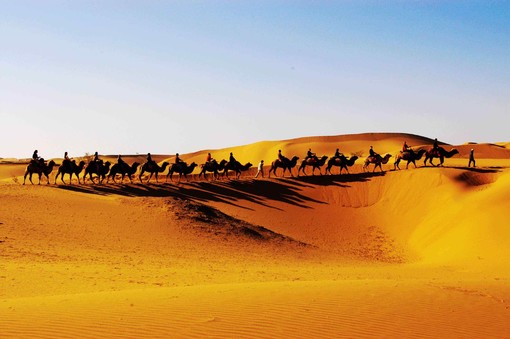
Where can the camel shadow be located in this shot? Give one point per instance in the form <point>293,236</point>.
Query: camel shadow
<point>261,192</point>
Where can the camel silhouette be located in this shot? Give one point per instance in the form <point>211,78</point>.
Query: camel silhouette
<point>409,156</point>
<point>286,165</point>
<point>377,160</point>
<point>70,167</point>
<point>341,162</point>
<point>182,168</point>
<point>40,168</point>
<point>236,167</point>
<point>440,153</point>
<point>122,169</point>
<point>314,163</point>
<point>212,166</point>
<point>152,168</point>
<point>99,168</point>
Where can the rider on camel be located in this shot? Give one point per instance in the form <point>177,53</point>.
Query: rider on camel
<point>209,158</point>
<point>177,159</point>
<point>149,158</point>
<point>66,159</point>
<point>372,152</point>
<point>282,158</point>
<point>36,158</point>
<point>231,159</point>
<point>337,154</point>
<point>435,147</point>
<point>119,160</point>
<point>405,147</point>
<point>96,157</point>
<point>311,155</point>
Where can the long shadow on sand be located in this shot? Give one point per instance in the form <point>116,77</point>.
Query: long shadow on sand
<point>261,192</point>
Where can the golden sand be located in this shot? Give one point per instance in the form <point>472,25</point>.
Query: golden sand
<point>412,253</point>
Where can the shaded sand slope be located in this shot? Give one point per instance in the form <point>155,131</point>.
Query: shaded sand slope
<point>425,214</point>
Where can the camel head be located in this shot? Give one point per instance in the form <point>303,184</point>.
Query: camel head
<point>324,157</point>
<point>295,158</point>
<point>452,152</point>
<point>51,163</point>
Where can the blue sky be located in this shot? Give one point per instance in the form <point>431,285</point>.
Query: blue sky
<point>172,76</point>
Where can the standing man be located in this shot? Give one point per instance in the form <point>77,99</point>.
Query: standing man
<point>260,169</point>
<point>472,158</point>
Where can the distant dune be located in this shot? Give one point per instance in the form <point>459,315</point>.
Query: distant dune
<point>412,253</point>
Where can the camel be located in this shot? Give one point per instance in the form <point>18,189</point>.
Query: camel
<point>70,167</point>
<point>341,162</point>
<point>99,168</point>
<point>409,156</point>
<point>152,168</point>
<point>40,168</point>
<point>236,167</point>
<point>440,153</point>
<point>286,165</point>
<point>182,168</point>
<point>212,166</point>
<point>314,163</point>
<point>124,170</point>
<point>377,160</point>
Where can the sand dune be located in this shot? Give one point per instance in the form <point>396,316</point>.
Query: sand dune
<point>415,253</point>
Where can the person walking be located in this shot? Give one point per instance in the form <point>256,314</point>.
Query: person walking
<point>472,158</point>
<point>260,169</point>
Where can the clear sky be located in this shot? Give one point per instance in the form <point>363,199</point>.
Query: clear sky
<point>182,76</point>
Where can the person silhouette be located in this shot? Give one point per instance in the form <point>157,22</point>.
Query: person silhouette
<point>260,169</point>
<point>472,158</point>
<point>372,152</point>
<point>177,158</point>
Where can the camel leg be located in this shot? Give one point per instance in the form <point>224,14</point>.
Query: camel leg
<point>39,178</point>
<point>25,177</point>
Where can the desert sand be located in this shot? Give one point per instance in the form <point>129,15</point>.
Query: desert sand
<point>422,252</point>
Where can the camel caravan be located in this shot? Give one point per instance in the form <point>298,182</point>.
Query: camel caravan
<point>98,170</point>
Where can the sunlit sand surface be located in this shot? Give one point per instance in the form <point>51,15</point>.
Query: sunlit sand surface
<point>412,253</point>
